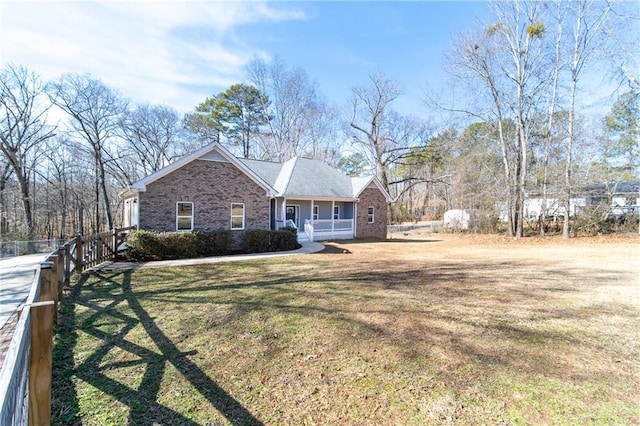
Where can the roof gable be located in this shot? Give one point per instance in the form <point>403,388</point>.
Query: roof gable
<point>211,152</point>
<point>360,183</point>
<point>313,178</point>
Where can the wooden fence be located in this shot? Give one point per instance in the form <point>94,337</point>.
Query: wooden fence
<point>25,378</point>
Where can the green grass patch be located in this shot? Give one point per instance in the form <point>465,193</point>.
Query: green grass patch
<point>337,339</point>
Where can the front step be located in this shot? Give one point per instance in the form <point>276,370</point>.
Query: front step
<point>302,237</point>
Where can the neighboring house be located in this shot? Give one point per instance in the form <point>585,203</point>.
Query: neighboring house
<point>618,198</point>
<point>614,199</point>
<point>211,189</point>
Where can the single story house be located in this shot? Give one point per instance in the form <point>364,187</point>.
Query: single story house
<point>212,189</point>
<point>615,199</point>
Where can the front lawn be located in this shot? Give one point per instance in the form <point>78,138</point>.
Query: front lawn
<point>437,330</point>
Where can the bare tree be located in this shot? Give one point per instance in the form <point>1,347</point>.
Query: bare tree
<point>371,119</point>
<point>294,107</point>
<point>152,135</point>
<point>552,100</point>
<point>5,175</point>
<point>322,139</point>
<point>23,129</point>
<point>95,111</point>
<point>508,60</point>
<point>589,16</point>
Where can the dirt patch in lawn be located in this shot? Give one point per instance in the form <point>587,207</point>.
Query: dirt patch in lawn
<point>418,329</point>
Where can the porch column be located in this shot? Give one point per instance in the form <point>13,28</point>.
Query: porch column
<point>311,216</point>
<point>333,216</point>
<point>355,219</point>
<point>283,212</point>
<point>136,211</point>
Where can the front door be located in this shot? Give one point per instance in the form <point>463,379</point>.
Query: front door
<point>292,213</point>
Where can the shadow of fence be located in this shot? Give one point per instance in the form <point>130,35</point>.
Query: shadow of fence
<point>141,400</point>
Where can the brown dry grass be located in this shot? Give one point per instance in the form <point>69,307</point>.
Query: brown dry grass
<point>419,329</point>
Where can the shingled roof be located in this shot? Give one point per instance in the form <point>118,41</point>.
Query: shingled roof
<point>297,177</point>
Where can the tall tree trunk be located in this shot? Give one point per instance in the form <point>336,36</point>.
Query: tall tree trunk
<point>105,196</point>
<point>567,169</point>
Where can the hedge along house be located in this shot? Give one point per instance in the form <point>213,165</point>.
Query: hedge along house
<point>211,189</point>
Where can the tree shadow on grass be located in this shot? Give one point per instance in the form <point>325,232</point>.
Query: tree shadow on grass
<point>144,409</point>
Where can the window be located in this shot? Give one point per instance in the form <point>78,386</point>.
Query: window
<point>336,212</point>
<point>370,215</point>
<point>184,216</point>
<point>316,212</point>
<point>237,216</point>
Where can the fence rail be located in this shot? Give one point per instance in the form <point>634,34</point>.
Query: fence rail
<point>25,378</point>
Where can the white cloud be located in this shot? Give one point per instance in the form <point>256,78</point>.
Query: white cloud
<point>161,52</point>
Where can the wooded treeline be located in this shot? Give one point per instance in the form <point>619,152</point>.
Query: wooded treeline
<point>520,123</point>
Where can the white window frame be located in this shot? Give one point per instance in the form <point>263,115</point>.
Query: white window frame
<point>336,216</point>
<point>371,214</point>
<point>236,216</point>
<point>179,216</point>
<point>316,212</point>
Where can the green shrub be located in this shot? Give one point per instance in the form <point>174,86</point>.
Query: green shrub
<point>152,245</point>
<point>148,245</point>
<point>284,239</point>
<point>143,245</point>
<point>178,245</point>
<point>214,243</point>
<point>257,241</point>
<point>261,241</point>
<point>290,229</point>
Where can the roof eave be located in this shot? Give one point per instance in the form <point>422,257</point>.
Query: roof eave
<point>130,192</point>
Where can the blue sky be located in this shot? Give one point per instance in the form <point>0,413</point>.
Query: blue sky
<point>179,52</point>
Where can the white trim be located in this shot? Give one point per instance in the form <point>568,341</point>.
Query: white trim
<point>355,220</point>
<point>322,199</point>
<point>232,216</point>
<point>371,215</point>
<point>333,213</point>
<point>315,211</point>
<point>178,216</point>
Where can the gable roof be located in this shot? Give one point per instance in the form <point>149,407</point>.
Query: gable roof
<point>297,177</point>
<point>360,183</point>
<point>313,178</point>
<point>211,152</point>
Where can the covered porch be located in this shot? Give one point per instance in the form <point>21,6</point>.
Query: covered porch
<point>315,219</point>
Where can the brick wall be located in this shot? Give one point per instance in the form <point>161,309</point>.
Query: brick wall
<point>212,187</point>
<point>372,197</point>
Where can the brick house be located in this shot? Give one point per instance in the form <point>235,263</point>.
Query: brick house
<point>212,189</point>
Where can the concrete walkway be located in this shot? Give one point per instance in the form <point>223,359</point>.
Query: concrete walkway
<point>16,277</point>
<point>307,248</point>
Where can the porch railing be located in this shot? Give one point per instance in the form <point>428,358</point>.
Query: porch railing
<point>285,224</point>
<point>329,228</point>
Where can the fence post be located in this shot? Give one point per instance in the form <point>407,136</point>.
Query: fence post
<point>40,362</point>
<point>60,270</point>
<point>67,266</point>
<point>114,243</point>
<point>79,253</point>
<point>53,260</point>
<point>99,247</point>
